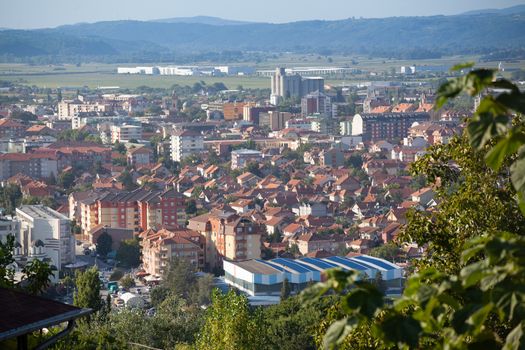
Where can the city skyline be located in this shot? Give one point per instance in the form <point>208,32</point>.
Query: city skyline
<point>30,14</point>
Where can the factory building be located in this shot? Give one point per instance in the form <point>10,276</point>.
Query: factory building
<point>265,277</point>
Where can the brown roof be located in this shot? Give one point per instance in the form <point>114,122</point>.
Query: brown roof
<point>23,313</point>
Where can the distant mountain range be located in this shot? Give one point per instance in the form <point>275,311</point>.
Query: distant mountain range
<point>506,11</point>
<point>214,21</point>
<point>181,39</point>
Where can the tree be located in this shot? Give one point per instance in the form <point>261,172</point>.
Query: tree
<point>104,243</point>
<point>127,282</point>
<point>379,283</point>
<point>180,278</point>
<point>127,180</point>
<point>285,289</point>
<point>66,179</point>
<point>36,273</point>
<point>191,207</point>
<point>128,254</point>
<point>88,289</point>
<point>158,294</point>
<point>230,325</point>
<point>388,251</point>
<point>472,297</point>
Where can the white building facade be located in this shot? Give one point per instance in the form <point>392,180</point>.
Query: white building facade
<point>186,143</point>
<point>44,234</point>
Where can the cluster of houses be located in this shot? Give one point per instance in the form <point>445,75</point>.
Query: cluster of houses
<point>258,183</point>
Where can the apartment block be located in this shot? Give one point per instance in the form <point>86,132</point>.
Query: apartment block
<point>160,247</point>
<point>186,143</point>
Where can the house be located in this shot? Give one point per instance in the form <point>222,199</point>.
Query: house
<point>137,157</point>
<point>423,196</point>
<point>247,179</point>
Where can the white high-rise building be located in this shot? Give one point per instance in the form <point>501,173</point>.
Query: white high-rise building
<point>186,143</point>
<point>44,234</point>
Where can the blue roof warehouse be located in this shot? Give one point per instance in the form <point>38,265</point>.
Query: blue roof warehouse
<point>261,277</point>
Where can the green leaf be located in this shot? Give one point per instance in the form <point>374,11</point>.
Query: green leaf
<point>514,340</point>
<point>401,329</point>
<point>483,127</point>
<point>461,66</point>
<point>490,281</point>
<point>472,274</point>
<point>517,172</point>
<point>338,331</point>
<point>477,319</point>
<point>365,299</point>
<point>504,148</point>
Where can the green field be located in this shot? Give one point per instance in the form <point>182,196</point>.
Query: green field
<point>95,75</point>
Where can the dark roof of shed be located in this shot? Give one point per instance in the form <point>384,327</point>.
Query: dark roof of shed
<point>23,313</point>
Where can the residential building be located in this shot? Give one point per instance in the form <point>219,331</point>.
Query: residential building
<point>68,109</point>
<point>252,113</point>
<point>125,133</point>
<point>185,143</point>
<point>274,120</point>
<point>11,129</point>
<point>140,156</point>
<point>35,165</point>
<point>332,157</point>
<point>241,157</point>
<point>160,247</point>
<point>385,126</point>
<point>316,103</point>
<point>228,236</point>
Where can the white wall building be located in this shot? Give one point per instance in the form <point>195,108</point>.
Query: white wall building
<point>241,157</point>
<point>186,143</point>
<point>124,133</point>
<point>45,234</point>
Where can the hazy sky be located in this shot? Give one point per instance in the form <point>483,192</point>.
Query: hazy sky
<point>51,13</point>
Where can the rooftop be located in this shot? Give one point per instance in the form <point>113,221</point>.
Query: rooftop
<point>40,212</point>
<point>23,313</point>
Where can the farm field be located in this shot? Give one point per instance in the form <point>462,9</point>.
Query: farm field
<point>95,75</point>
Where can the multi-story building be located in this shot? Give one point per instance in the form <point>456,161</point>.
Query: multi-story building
<point>241,157</point>
<point>275,120</point>
<point>140,156</point>
<point>252,114</point>
<point>67,154</point>
<point>235,110</point>
<point>160,247</point>
<point>185,143</point>
<point>162,209</point>
<point>44,234</point>
<point>69,109</point>
<point>228,236</point>
<point>385,126</point>
<point>35,165</point>
<point>11,129</point>
<point>137,210</point>
<point>316,103</point>
<point>293,86</point>
<point>125,133</point>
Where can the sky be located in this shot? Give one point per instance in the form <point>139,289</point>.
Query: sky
<point>29,14</point>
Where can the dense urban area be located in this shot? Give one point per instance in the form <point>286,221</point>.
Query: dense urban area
<point>329,205</point>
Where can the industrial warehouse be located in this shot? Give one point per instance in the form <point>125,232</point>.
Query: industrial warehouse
<point>261,277</point>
